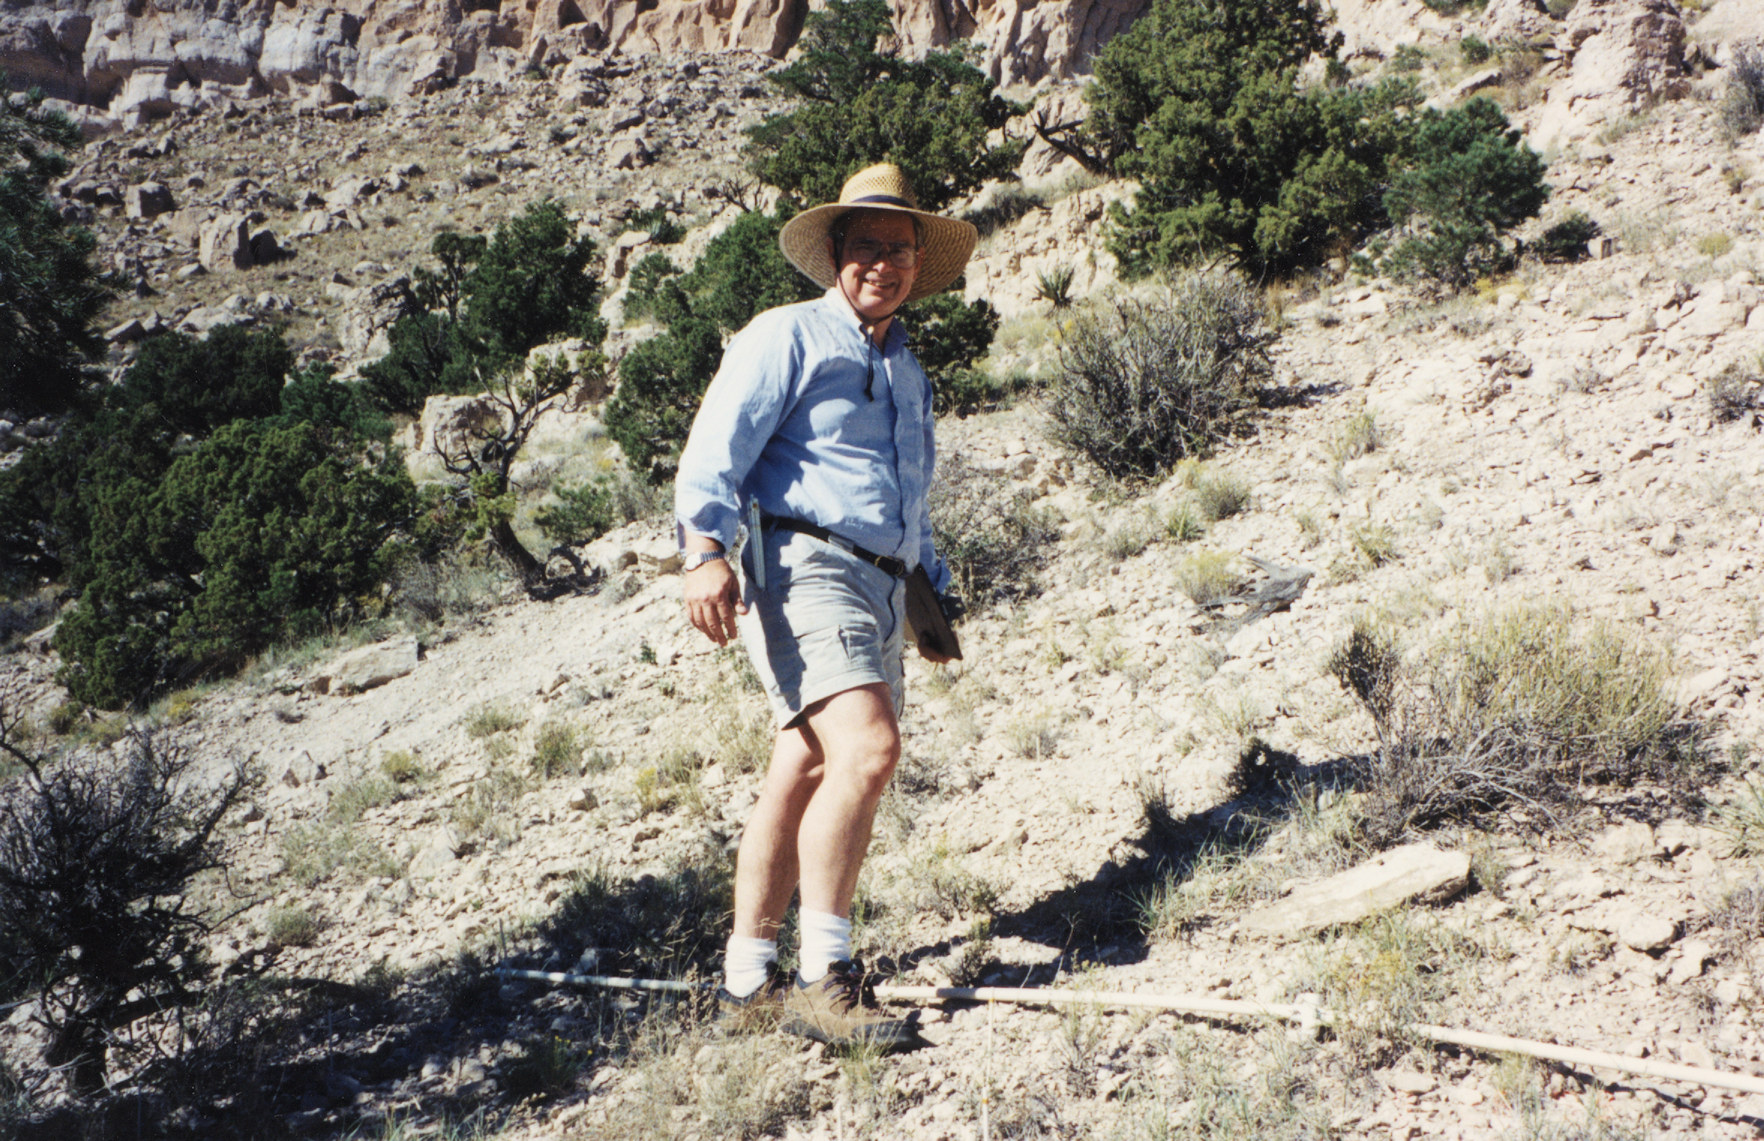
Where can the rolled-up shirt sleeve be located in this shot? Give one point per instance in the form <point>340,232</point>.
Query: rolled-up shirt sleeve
<point>741,409</point>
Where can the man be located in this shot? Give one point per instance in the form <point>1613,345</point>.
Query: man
<point>821,418</point>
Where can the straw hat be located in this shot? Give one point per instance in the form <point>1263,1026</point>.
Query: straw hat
<point>943,251</point>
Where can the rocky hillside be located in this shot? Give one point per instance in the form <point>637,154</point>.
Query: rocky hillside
<point>558,785</point>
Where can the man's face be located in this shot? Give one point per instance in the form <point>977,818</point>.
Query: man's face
<point>876,287</point>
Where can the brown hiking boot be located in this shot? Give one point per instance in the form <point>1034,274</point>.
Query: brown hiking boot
<point>839,1010</point>
<point>757,1011</point>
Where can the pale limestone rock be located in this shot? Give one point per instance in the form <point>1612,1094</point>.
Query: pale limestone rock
<point>314,222</point>
<point>204,319</point>
<point>1712,314</point>
<point>1408,1081</point>
<point>627,154</point>
<point>372,666</point>
<point>432,862</point>
<point>1627,843</point>
<point>1728,23</point>
<point>1022,41</point>
<point>1624,53</point>
<point>130,330</point>
<point>226,244</point>
<point>1044,241</point>
<point>146,61</point>
<point>1376,28</point>
<point>1487,77</point>
<point>1693,956</point>
<point>659,557</point>
<point>1677,836</point>
<point>1524,21</point>
<point>1401,875</point>
<point>349,192</point>
<point>1644,931</point>
<point>627,251</point>
<point>371,311</point>
<point>1702,687</point>
<point>302,770</point>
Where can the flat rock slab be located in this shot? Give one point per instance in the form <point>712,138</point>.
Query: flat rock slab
<point>1414,872</point>
<point>368,667</point>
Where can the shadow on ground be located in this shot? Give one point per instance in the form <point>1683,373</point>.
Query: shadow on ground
<point>454,1048</point>
<point>1102,918</point>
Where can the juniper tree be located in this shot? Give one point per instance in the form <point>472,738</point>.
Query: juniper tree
<point>485,304</point>
<point>50,290</point>
<point>860,106</point>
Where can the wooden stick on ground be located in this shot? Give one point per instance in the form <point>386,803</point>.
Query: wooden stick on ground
<point>1223,1008</point>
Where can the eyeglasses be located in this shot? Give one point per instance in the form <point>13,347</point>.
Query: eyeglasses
<point>867,251</point>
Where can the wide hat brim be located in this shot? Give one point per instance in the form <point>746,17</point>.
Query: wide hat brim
<point>944,248</point>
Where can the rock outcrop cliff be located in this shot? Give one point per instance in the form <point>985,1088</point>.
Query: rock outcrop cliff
<point>136,59</point>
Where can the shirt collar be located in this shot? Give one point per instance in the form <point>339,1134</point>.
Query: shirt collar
<point>841,308</point>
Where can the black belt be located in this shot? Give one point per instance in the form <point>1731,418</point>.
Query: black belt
<point>886,563</point>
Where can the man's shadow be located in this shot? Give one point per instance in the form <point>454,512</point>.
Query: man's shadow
<point>1106,917</point>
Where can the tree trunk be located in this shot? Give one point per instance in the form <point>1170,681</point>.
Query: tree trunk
<point>509,546</point>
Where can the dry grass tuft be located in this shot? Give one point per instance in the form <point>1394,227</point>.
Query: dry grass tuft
<point>1207,576</point>
<point>1515,715</point>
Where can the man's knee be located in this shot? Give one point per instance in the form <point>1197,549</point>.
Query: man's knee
<point>795,759</point>
<point>867,755</point>
<point>872,762</point>
<point>859,736</point>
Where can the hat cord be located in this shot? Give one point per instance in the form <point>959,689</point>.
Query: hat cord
<point>869,332</point>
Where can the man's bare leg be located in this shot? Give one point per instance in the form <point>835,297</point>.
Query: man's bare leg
<point>860,741</point>
<point>766,866</point>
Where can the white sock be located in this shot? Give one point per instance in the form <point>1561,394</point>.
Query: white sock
<point>744,964</point>
<point>826,938</point>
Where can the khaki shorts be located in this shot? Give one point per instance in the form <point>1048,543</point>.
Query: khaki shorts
<point>826,622</point>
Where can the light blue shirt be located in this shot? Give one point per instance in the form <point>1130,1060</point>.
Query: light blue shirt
<point>786,421</point>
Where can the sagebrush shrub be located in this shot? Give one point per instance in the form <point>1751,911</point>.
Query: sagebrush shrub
<point>1741,109</point>
<point>1207,576</point>
<point>1736,392</point>
<point>96,857</point>
<point>1151,379</point>
<point>557,750</point>
<point>985,527</point>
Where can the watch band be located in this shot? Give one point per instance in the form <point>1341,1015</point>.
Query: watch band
<point>698,558</point>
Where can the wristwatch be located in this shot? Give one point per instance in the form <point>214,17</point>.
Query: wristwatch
<point>697,559</point>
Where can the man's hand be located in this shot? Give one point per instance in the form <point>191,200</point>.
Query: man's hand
<point>713,599</point>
